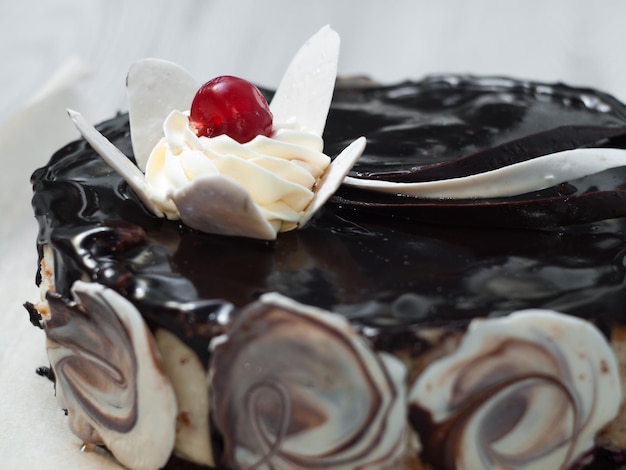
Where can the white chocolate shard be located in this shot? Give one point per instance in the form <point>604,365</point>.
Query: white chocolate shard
<point>306,89</point>
<point>215,204</point>
<point>333,178</point>
<point>519,178</point>
<point>155,88</point>
<point>527,391</point>
<point>114,157</point>
<point>109,376</point>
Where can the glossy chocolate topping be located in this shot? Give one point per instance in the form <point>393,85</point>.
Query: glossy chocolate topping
<point>386,263</point>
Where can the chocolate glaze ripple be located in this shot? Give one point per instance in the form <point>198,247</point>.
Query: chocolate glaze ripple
<point>387,263</point>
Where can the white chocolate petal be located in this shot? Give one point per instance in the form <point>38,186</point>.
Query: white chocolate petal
<point>215,204</point>
<point>333,178</point>
<point>155,88</point>
<point>519,178</point>
<point>527,391</point>
<point>115,158</point>
<point>306,89</point>
<point>110,377</point>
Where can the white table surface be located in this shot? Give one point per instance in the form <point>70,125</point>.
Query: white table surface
<point>74,53</point>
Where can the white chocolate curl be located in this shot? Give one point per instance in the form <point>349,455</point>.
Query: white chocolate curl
<point>529,391</point>
<point>109,376</point>
<point>294,387</point>
<point>278,173</point>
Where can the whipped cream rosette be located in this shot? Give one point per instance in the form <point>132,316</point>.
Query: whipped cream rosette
<point>217,184</point>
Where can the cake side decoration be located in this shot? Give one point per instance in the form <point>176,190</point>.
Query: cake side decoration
<point>530,390</point>
<point>222,170</point>
<point>294,386</point>
<point>155,88</point>
<point>109,376</point>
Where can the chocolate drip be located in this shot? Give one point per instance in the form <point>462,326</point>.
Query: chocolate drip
<point>33,314</point>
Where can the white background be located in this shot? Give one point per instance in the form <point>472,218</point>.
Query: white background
<point>74,53</point>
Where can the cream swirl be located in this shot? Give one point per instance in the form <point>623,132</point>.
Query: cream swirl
<point>527,391</point>
<point>278,173</point>
<point>296,387</point>
<point>109,376</point>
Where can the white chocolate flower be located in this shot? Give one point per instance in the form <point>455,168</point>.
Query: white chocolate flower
<point>295,387</point>
<point>188,376</point>
<point>279,173</point>
<point>529,391</point>
<point>218,185</point>
<point>109,376</point>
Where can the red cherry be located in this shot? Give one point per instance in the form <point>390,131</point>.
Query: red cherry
<point>232,106</point>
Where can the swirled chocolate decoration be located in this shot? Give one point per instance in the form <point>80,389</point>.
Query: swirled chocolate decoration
<point>296,387</point>
<point>109,376</point>
<point>364,256</point>
<point>529,391</point>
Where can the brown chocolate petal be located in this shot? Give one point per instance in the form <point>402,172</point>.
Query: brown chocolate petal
<point>296,387</point>
<point>529,391</point>
<point>109,376</point>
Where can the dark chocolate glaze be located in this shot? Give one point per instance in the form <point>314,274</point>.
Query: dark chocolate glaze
<point>389,264</point>
<point>46,372</point>
<point>33,314</point>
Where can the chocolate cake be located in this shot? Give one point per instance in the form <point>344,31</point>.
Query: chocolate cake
<point>389,330</point>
